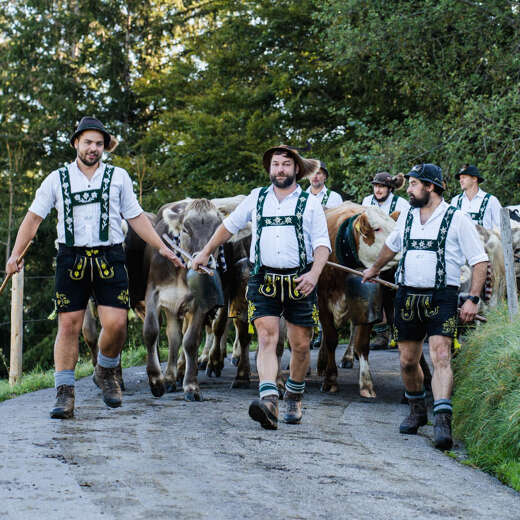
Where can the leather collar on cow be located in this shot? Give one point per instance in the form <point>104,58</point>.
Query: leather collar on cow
<point>346,248</point>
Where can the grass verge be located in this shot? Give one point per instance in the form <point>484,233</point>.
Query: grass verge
<point>486,400</point>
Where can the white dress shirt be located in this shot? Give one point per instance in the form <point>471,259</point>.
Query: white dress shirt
<point>402,205</point>
<point>278,244</point>
<point>123,203</point>
<point>334,197</point>
<point>462,243</point>
<point>491,218</point>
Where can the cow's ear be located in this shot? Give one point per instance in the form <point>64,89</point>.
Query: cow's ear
<point>365,229</point>
<point>395,215</point>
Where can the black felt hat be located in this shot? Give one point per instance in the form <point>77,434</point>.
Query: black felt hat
<point>307,167</point>
<point>469,169</point>
<point>324,168</point>
<point>91,123</point>
<point>427,173</point>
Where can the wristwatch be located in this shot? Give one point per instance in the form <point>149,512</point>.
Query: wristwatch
<point>474,299</point>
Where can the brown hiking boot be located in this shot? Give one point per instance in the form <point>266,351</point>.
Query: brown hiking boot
<point>293,410</point>
<point>442,431</point>
<point>265,411</point>
<point>418,417</point>
<point>64,406</point>
<point>106,379</point>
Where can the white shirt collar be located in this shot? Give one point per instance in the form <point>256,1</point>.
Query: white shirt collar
<point>323,190</point>
<point>480,195</point>
<point>439,210</point>
<point>75,168</point>
<point>294,193</point>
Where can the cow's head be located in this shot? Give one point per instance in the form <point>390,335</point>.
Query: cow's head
<point>372,228</point>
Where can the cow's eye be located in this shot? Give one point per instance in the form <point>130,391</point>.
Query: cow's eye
<point>377,229</point>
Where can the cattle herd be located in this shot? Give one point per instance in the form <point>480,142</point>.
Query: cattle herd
<point>194,304</point>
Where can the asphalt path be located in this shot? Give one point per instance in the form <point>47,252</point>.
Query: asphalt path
<point>166,458</point>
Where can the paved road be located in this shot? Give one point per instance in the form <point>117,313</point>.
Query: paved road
<point>165,458</point>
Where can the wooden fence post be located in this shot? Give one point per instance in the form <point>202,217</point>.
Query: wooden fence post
<point>15,360</point>
<point>509,263</point>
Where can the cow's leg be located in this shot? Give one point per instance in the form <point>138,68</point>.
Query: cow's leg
<point>190,346</point>
<point>90,333</point>
<point>347,361</point>
<point>361,340</point>
<point>204,356</point>
<point>242,378</point>
<point>282,336</point>
<point>327,356</point>
<point>215,363</point>
<point>173,331</point>
<point>151,328</point>
<point>237,347</point>
<point>223,343</point>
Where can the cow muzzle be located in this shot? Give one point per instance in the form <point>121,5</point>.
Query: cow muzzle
<point>207,290</point>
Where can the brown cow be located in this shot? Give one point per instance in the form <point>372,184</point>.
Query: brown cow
<point>342,297</point>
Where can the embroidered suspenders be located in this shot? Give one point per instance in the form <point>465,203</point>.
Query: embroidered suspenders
<point>295,220</point>
<point>393,204</point>
<point>438,245</point>
<point>325,198</point>
<point>477,216</point>
<point>100,196</point>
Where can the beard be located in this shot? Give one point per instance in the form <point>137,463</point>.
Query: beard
<point>282,182</point>
<point>89,160</point>
<point>420,202</point>
<point>381,199</point>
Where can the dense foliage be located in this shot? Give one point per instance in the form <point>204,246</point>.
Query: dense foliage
<point>487,397</point>
<point>197,89</point>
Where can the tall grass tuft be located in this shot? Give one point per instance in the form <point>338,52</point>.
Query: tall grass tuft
<point>486,400</point>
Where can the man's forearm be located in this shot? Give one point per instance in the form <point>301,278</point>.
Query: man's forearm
<point>220,236</point>
<point>321,255</point>
<point>144,228</point>
<point>478,278</point>
<point>385,255</point>
<point>26,232</point>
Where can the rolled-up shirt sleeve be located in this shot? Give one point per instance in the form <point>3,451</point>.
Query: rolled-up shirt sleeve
<point>319,229</point>
<point>45,197</point>
<point>394,241</point>
<point>470,242</point>
<point>239,218</point>
<point>130,207</point>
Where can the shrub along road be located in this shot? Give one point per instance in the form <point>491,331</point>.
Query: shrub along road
<point>172,459</point>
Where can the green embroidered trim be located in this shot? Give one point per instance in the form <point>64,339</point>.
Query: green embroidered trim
<point>61,300</point>
<point>325,198</point>
<point>450,326</point>
<point>393,204</point>
<point>295,220</point>
<point>438,245</point>
<point>80,198</point>
<point>476,216</point>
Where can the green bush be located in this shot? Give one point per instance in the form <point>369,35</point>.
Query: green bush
<point>487,397</point>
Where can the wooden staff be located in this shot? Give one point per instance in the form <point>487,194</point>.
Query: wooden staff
<point>360,273</point>
<point>391,285</point>
<point>20,258</point>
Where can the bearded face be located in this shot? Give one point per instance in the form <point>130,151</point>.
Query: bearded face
<point>283,170</point>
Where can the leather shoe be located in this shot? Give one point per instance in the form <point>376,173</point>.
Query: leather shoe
<point>64,406</point>
<point>265,411</point>
<point>418,417</point>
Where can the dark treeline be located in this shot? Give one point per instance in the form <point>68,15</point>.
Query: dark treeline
<point>196,90</point>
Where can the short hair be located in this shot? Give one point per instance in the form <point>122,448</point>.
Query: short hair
<point>436,189</point>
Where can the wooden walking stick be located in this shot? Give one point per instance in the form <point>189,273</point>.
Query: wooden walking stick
<point>391,285</point>
<point>20,258</point>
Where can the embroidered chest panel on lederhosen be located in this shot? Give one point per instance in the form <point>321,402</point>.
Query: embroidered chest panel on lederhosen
<point>393,204</point>
<point>437,245</point>
<point>100,196</point>
<point>325,198</point>
<point>295,220</point>
<point>476,216</point>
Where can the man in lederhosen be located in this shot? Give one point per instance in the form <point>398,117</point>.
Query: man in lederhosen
<point>289,248</point>
<point>435,240</point>
<point>383,197</point>
<point>327,197</point>
<point>91,198</point>
<point>483,208</point>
